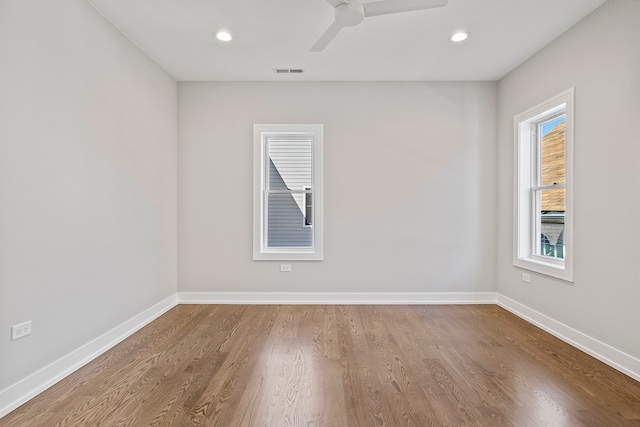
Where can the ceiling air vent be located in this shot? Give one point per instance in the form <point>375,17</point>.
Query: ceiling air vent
<point>288,70</point>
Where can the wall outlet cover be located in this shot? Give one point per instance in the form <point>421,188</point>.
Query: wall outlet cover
<point>21,330</point>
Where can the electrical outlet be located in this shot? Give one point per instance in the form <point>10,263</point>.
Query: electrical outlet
<point>285,267</point>
<point>21,330</point>
<point>526,277</point>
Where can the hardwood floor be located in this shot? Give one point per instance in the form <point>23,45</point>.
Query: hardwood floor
<point>267,365</point>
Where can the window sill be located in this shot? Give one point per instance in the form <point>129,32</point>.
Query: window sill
<point>286,255</point>
<point>558,270</point>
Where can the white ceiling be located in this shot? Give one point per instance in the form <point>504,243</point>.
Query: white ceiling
<point>268,34</point>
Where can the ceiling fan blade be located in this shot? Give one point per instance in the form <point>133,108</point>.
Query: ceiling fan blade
<point>326,38</point>
<point>336,3</point>
<point>385,7</point>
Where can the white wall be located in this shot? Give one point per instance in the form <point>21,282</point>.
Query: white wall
<point>409,186</point>
<point>87,180</point>
<point>600,57</point>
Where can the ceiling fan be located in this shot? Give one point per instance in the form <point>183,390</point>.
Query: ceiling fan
<point>352,12</point>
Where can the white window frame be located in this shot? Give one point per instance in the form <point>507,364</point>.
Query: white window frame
<point>306,222</point>
<point>261,252</point>
<point>526,233</point>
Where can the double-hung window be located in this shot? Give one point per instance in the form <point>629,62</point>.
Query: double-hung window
<point>544,196</point>
<point>287,192</point>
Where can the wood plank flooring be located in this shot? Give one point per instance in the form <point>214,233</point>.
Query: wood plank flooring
<point>325,365</point>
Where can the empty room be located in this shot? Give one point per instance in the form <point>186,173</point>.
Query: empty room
<point>319,213</point>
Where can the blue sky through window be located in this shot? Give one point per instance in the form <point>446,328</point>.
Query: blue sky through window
<point>548,127</point>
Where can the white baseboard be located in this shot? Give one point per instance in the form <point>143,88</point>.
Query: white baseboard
<point>25,389</point>
<point>337,298</point>
<point>617,359</point>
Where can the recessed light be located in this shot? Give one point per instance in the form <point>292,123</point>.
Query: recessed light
<point>459,36</point>
<point>223,36</point>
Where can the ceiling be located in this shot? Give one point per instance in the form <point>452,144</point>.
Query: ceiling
<point>268,34</point>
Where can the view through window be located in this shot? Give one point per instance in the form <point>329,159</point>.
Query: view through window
<point>289,191</point>
<point>550,190</point>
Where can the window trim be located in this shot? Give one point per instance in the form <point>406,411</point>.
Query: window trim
<point>525,160</point>
<point>307,196</point>
<point>260,251</point>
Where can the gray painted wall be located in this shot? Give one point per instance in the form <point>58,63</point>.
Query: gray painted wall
<point>87,180</point>
<point>409,185</point>
<point>600,57</point>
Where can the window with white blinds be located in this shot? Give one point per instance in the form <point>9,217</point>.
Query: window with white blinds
<point>287,192</point>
